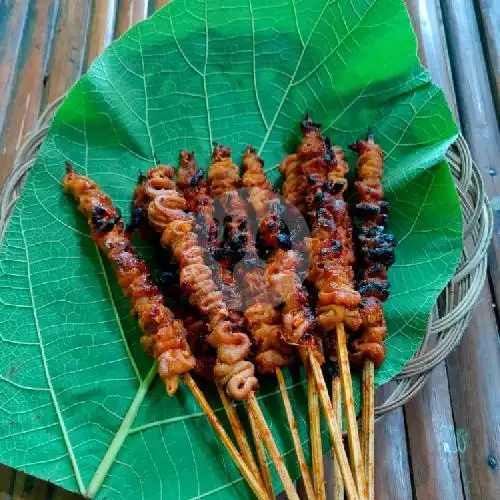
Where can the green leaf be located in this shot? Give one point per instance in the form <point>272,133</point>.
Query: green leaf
<point>76,394</point>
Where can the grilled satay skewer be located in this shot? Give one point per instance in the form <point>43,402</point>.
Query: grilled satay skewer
<point>322,180</point>
<point>191,183</point>
<point>314,154</point>
<point>232,371</point>
<point>332,273</point>
<point>164,336</point>
<point>295,188</point>
<point>376,254</point>
<point>262,321</point>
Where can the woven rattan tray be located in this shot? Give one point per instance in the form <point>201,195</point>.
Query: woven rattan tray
<point>452,310</point>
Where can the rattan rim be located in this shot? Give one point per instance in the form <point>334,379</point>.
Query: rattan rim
<point>453,309</point>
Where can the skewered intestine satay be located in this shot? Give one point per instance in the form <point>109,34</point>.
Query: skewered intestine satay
<point>376,252</point>
<point>295,187</point>
<point>167,214</point>
<point>164,337</point>
<point>331,272</point>
<point>223,182</point>
<point>265,202</point>
<point>298,192</point>
<point>262,319</point>
<point>193,186</point>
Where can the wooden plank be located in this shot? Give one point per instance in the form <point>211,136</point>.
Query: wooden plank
<point>474,367</point>
<point>432,48</point>
<point>28,90</point>
<point>63,68</point>
<point>130,12</point>
<point>158,4</point>
<point>392,470</point>
<point>489,17</point>
<point>13,16</point>
<point>474,372</point>
<point>477,111</point>
<point>432,442</point>
<point>429,417</point>
<point>102,28</point>
<point>60,494</point>
<point>68,48</point>
<point>30,488</point>
<point>7,478</point>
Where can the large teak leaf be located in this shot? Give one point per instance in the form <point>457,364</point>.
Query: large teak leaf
<point>72,374</point>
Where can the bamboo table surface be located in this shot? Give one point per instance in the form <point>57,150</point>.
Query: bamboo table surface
<point>445,443</point>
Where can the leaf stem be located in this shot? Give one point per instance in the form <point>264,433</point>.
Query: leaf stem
<point>120,436</point>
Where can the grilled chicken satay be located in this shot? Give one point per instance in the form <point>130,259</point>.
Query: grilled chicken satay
<point>164,336</point>
<point>167,214</point>
<point>376,252</point>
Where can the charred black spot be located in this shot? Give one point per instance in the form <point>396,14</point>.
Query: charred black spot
<point>196,178</point>
<point>383,255</point>
<point>307,125</point>
<point>221,253</point>
<point>374,288</point>
<point>142,178</point>
<point>168,278</point>
<point>284,241</point>
<point>333,187</point>
<point>330,152</point>
<point>384,207</point>
<point>364,209</point>
<point>98,210</point>
<point>137,218</point>
<point>101,222</point>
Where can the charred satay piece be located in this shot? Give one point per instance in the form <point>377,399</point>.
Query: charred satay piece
<point>164,336</point>
<point>332,253</point>
<point>296,185</point>
<point>262,319</point>
<point>376,252</point>
<point>167,214</point>
<point>265,202</point>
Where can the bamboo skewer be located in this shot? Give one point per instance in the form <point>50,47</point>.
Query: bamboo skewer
<point>338,485</point>
<point>368,426</point>
<point>306,477</point>
<point>315,436</point>
<point>274,452</point>
<point>261,456</point>
<point>252,481</point>
<point>334,430</point>
<point>356,458</point>
<point>239,433</point>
